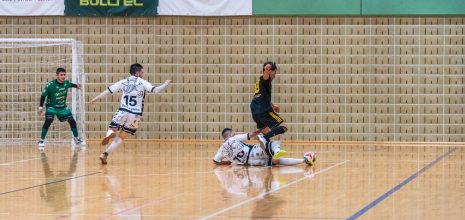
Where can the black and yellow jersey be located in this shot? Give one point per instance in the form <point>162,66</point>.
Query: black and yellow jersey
<point>261,101</point>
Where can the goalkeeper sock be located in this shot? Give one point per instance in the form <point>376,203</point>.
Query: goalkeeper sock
<point>75,132</point>
<point>116,142</point>
<point>43,134</point>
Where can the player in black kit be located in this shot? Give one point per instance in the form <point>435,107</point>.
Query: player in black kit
<point>264,113</point>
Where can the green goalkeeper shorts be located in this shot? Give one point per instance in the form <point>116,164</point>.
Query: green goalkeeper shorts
<point>62,114</point>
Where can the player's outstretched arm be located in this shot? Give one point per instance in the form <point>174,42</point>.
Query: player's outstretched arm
<point>103,94</point>
<point>253,134</point>
<point>219,158</point>
<point>77,86</point>
<point>161,87</point>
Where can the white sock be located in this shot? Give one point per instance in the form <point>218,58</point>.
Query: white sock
<point>110,131</point>
<point>114,145</point>
<point>290,161</point>
<point>275,146</point>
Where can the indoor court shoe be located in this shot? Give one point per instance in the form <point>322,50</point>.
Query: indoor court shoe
<point>103,158</point>
<point>107,139</point>
<point>279,154</point>
<point>41,145</point>
<point>79,141</point>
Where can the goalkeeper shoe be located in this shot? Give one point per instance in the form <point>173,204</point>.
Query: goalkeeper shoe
<point>79,141</point>
<point>41,145</point>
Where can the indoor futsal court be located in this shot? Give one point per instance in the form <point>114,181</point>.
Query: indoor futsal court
<point>374,89</point>
<point>167,180</point>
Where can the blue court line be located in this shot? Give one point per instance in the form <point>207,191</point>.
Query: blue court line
<point>400,185</point>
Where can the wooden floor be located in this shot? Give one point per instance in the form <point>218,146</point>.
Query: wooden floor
<point>154,180</point>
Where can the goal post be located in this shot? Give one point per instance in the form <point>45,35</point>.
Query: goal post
<point>26,66</point>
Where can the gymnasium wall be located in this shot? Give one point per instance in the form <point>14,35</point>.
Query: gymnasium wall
<point>340,78</point>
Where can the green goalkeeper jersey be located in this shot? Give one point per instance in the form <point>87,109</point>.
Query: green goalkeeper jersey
<point>57,93</point>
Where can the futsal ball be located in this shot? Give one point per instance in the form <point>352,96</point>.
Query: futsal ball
<point>310,158</point>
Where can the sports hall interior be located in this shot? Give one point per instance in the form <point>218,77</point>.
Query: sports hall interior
<point>380,99</point>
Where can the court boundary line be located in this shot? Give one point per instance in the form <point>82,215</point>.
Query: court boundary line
<point>19,161</point>
<point>274,190</point>
<point>398,186</point>
<point>44,184</point>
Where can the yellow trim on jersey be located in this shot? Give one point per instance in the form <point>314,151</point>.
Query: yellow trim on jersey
<point>277,118</point>
<point>257,87</point>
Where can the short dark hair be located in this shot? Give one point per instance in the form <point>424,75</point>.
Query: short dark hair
<point>273,65</point>
<point>135,68</point>
<point>225,130</point>
<point>60,69</point>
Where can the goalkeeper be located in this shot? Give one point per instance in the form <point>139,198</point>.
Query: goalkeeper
<point>56,92</point>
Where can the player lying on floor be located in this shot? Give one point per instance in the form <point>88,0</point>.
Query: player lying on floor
<point>235,151</point>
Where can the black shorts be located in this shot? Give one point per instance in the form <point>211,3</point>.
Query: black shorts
<point>267,119</point>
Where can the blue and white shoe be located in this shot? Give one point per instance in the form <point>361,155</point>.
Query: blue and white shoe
<point>41,145</point>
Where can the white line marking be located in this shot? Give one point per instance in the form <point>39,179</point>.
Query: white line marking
<point>274,190</point>
<point>19,161</point>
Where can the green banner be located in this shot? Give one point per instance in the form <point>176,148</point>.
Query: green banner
<point>111,7</point>
<point>413,7</point>
<point>306,7</point>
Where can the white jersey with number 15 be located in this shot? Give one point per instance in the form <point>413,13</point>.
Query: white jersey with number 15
<point>133,89</point>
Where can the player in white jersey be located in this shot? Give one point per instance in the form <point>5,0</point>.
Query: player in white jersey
<point>235,151</point>
<point>131,107</point>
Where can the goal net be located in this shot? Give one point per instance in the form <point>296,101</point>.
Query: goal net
<point>26,66</point>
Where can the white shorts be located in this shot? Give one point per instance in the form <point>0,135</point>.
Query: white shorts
<point>128,122</point>
<point>258,157</point>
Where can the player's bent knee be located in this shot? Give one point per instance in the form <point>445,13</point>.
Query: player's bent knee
<point>72,123</point>
<point>265,130</point>
<point>275,144</point>
<point>48,122</point>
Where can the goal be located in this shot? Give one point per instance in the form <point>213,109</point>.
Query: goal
<point>26,66</point>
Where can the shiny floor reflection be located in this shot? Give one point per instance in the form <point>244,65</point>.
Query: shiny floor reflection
<point>155,180</point>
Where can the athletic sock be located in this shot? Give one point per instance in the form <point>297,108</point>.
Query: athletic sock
<point>275,146</point>
<point>75,132</point>
<point>109,132</point>
<point>43,134</point>
<point>116,142</point>
<point>275,131</point>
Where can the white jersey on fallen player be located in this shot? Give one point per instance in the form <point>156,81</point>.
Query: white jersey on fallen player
<point>134,88</point>
<point>234,150</point>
